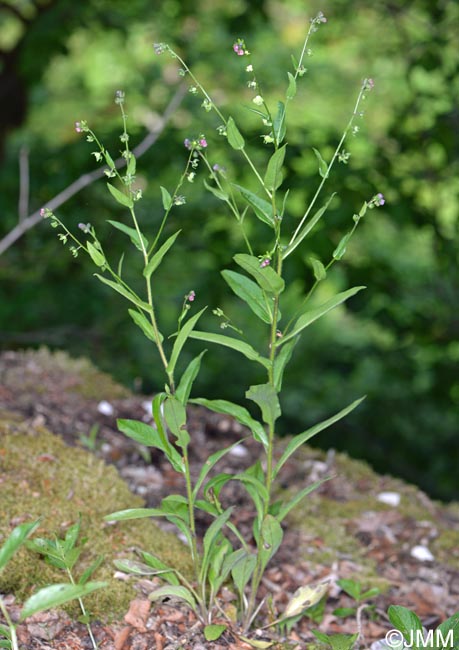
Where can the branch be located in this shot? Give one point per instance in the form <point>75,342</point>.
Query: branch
<point>87,179</point>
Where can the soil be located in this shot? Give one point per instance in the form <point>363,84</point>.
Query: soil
<point>350,528</point>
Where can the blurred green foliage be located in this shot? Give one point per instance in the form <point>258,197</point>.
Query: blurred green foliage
<point>398,341</point>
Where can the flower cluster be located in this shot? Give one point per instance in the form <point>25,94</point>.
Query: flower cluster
<point>159,48</point>
<point>197,143</point>
<point>240,48</point>
<point>377,201</point>
<point>81,126</point>
<point>368,84</point>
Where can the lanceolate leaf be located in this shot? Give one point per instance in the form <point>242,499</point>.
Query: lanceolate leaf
<point>301,438</point>
<point>279,126</point>
<point>265,396</point>
<point>181,338</point>
<point>186,382</point>
<point>97,257</point>
<point>291,90</point>
<point>210,537</point>
<point>262,209</point>
<point>281,360</point>
<point>286,507</point>
<point>173,591</point>
<point>273,176</point>
<point>239,413</point>
<point>147,328</point>
<point>139,431</point>
<point>175,416</point>
<point>210,462</point>
<point>271,538</point>
<point>57,595</point>
<point>340,250</point>
<point>307,228</point>
<point>323,167</point>
<point>127,293</point>
<point>167,199</point>
<point>132,234</point>
<point>251,293</point>
<point>234,136</point>
<point>230,342</point>
<point>266,277</point>
<point>16,538</point>
<point>120,197</point>
<point>217,192</point>
<point>312,315</point>
<point>157,258</point>
<point>172,454</point>
<point>243,570</point>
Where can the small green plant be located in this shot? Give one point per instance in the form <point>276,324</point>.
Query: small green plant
<point>413,635</point>
<point>64,554</point>
<point>354,589</point>
<point>223,553</point>
<point>337,641</point>
<point>46,598</point>
<point>89,441</point>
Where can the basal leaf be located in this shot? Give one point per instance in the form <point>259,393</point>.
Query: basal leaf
<point>166,572</point>
<point>174,591</point>
<point>266,277</point>
<point>214,631</point>
<point>57,595</point>
<point>251,293</point>
<point>242,571</point>
<point>311,315</point>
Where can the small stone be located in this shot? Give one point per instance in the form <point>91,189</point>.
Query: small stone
<point>389,498</point>
<point>239,451</point>
<point>421,553</point>
<point>105,408</point>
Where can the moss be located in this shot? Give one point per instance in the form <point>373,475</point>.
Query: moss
<point>41,476</point>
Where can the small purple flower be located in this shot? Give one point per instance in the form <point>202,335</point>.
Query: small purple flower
<point>43,213</point>
<point>191,296</point>
<point>78,127</point>
<point>159,48</point>
<point>369,84</point>
<point>119,97</point>
<point>320,18</point>
<point>239,47</point>
<point>265,262</point>
<point>188,144</point>
<point>379,199</point>
<point>202,142</point>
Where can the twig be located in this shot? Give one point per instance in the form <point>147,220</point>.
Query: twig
<point>86,179</point>
<point>24,183</point>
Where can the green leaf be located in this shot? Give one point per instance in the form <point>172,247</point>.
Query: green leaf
<point>140,432</point>
<point>404,620</point>
<point>109,160</point>
<point>263,210</point>
<point>209,464</point>
<point>90,570</point>
<point>72,534</point>
<point>239,413</point>
<point>57,595</point>
<point>323,167</point>
<point>271,539</point>
<point>186,382</point>
<point>351,587</point>
<point>242,571</point>
<point>230,342</point>
<point>279,128</point>
<point>318,269</point>
<point>134,513</point>
<point>234,136</point>
<point>265,396</point>
<point>171,452</point>
<point>132,234</point>
<point>307,228</point>
<point>214,631</point>
<point>167,199</point>
<point>337,641</point>
<point>175,417</point>
<point>147,328</point>
<point>340,250</point>
<point>181,338</point>
<point>299,496</point>
<point>250,292</point>
<point>291,90</point>
<point>309,316</point>
<point>132,164</point>
<point>157,258</point>
<point>273,177</point>
<point>445,628</point>
<point>173,591</point>
<point>166,572</point>
<point>266,277</point>
<point>97,257</point>
<point>216,191</point>
<point>281,360</point>
<point>15,540</point>
<point>209,540</point>
<point>120,197</point>
<point>126,293</point>
<point>135,567</point>
<point>256,643</point>
<point>301,438</point>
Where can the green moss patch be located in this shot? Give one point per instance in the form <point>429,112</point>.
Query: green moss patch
<point>41,477</point>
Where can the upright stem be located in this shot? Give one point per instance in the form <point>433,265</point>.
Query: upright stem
<point>11,626</point>
<point>83,611</point>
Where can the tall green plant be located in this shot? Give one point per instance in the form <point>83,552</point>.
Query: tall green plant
<point>223,553</point>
